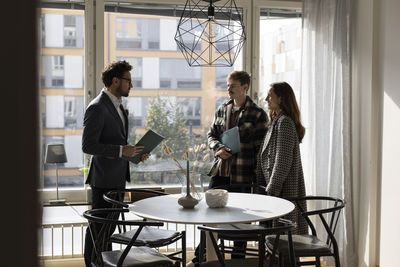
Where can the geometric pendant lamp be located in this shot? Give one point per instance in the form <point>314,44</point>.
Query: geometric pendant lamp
<point>210,35</point>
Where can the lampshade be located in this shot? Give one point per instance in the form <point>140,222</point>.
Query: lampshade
<point>55,153</point>
<point>210,35</point>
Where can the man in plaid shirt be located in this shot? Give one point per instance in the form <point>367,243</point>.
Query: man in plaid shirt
<point>238,168</point>
<point>239,111</point>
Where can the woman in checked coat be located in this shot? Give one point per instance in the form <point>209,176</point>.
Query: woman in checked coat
<point>278,161</point>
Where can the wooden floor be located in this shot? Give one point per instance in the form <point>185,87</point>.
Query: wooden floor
<point>78,262</point>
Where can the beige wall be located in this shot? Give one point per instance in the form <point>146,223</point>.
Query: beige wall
<point>376,119</point>
<point>388,45</point>
<point>376,131</point>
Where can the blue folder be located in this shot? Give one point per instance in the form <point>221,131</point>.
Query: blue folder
<point>230,138</point>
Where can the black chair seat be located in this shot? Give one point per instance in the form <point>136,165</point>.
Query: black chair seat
<point>304,245</point>
<point>130,256</point>
<point>239,226</point>
<point>137,256</point>
<point>149,236</point>
<point>245,232</point>
<point>248,262</point>
<point>326,211</point>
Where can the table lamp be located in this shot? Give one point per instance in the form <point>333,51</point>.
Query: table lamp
<point>55,153</point>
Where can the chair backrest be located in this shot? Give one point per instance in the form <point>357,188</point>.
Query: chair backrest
<point>109,219</point>
<point>118,197</point>
<point>243,188</point>
<point>328,216</point>
<point>250,232</point>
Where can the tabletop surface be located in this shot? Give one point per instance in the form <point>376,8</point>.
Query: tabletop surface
<point>241,208</point>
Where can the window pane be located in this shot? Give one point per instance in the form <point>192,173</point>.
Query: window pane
<point>191,40</point>
<point>280,49</point>
<point>220,100</point>
<point>62,80</point>
<point>137,70</point>
<point>168,96</point>
<point>226,39</point>
<point>176,74</point>
<point>137,33</point>
<point>220,76</point>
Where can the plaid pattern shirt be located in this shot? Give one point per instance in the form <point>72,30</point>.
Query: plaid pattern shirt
<point>252,128</point>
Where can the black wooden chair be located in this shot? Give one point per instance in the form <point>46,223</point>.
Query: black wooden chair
<point>131,256</point>
<point>248,232</point>
<point>240,248</point>
<point>149,236</point>
<point>312,245</point>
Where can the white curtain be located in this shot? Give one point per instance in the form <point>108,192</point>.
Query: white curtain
<point>325,104</point>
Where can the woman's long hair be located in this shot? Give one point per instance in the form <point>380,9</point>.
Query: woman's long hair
<point>288,106</point>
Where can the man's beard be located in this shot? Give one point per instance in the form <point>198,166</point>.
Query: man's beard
<point>122,93</point>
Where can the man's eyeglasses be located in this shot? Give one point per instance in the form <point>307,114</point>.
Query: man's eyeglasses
<point>126,79</point>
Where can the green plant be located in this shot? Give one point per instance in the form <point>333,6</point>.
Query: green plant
<point>168,119</point>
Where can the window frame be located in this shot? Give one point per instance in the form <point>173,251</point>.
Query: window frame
<point>94,11</point>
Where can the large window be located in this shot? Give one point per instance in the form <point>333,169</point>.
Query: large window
<point>186,97</point>
<point>180,99</point>
<point>62,82</point>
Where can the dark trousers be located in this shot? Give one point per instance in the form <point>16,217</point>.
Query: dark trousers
<point>238,246</point>
<point>97,203</point>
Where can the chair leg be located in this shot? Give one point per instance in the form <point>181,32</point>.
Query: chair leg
<point>292,260</point>
<point>274,250</point>
<point>261,251</point>
<point>223,248</point>
<point>318,261</point>
<point>202,246</point>
<point>183,248</point>
<point>337,260</point>
<point>281,260</point>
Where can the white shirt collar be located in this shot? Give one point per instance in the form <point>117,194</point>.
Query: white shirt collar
<point>116,102</point>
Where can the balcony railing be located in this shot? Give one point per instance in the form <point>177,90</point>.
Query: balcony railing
<point>63,230</point>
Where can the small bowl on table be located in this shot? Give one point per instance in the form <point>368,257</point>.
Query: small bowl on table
<point>216,198</point>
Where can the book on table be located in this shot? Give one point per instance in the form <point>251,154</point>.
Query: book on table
<point>149,141</point>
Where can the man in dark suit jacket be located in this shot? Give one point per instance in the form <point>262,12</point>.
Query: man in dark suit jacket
<point>105,135</point>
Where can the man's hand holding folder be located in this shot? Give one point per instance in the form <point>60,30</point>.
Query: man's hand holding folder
<point>145,145</point>
<point>231,140</point>
<point>224,153</point>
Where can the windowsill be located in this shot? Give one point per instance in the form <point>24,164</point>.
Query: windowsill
<point>78,196</point>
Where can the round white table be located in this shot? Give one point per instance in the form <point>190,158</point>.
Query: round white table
<point>241,208</point>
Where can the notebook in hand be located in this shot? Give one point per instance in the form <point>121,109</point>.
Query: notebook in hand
<point>230,138</point>
<point>150,140</point>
